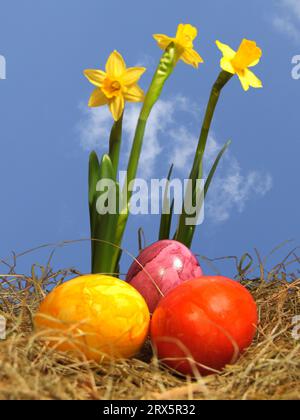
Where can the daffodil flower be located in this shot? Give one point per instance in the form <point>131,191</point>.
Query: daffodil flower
<point>116,85</point>
<point>183,41</point>
<point>248,55</point>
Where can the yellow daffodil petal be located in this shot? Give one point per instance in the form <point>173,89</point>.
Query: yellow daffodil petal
<point>253,80</point>
<point>183,41</point>
<point>132,75</point>
<point>134,94</point>
<point>115,66</point>
<point>227,66</point>
<point>186,34</point>
<point>163,40</point>
<point>116,106</point>
<point>98,98</point>
<point>244,80</point>
<point>226,50</point>
<point>190,56</point>
<point>248,54</point>
<point>115,85</point>
<point>96,77</point>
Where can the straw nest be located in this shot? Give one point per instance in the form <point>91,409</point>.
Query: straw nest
<point>269,370</point>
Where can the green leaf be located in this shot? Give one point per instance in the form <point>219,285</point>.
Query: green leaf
<point>94,176</point>
<point>185,233</point>
<point>104,259</point>
<point>115,144</point>
<point>214,167</point>
<point>166,219</point>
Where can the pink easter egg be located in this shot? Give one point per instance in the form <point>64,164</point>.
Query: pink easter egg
<point>161,267</point>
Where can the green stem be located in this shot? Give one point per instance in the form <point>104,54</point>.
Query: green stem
<point>136,151</point>
<point>185,233</point>
<point>221,81</point>
<point>163,72</point>
<point>115,144</point>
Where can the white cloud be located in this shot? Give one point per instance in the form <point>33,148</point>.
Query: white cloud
<point>293,5</point>
<point>184,147</point>
<point>165,123</point>
<point>94,128</point>
<point>211,151</point>
<point>160,119</point>
<point>167,136</point>
<point>147,61</point>
<point>231,189</point>
<point>287,20</point>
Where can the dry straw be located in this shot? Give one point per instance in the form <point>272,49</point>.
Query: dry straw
<point>269,370</point>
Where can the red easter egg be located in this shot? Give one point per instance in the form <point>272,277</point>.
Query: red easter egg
<point>204,325</point>
<point>160,268</point>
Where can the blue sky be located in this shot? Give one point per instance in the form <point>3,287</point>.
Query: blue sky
<point>47,129</point>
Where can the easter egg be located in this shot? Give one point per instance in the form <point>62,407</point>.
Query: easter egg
<point>204,325</point>
<point>95,315</point>
<point>160,268</point>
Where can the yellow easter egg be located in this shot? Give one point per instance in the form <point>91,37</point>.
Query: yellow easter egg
<point>96,315</point>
